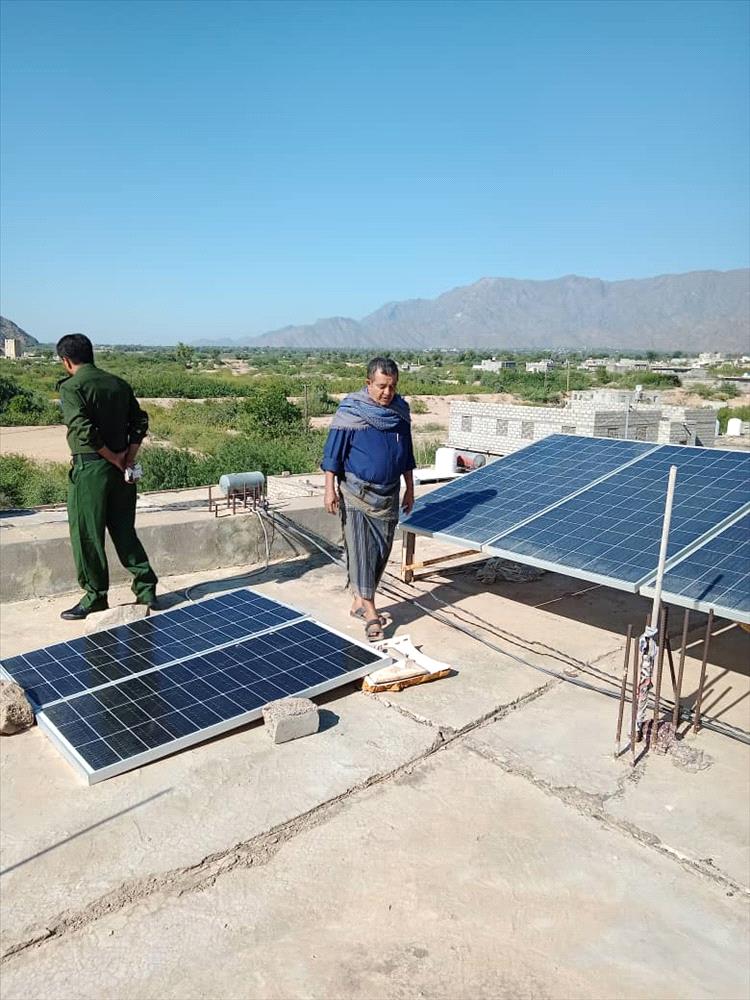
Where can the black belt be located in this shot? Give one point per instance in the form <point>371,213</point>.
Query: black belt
<point>86,456</point>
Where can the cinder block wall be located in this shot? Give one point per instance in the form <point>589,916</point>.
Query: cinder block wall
<point>502,428</point>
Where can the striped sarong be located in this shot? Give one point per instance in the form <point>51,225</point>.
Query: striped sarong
<point>369,514</point>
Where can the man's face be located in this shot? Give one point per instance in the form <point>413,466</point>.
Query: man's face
<point>382,388</point>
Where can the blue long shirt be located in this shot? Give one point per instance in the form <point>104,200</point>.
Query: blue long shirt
<point>371,455</point>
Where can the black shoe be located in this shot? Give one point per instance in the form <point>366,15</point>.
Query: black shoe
<point>152,603</point>
<point>78,613</point>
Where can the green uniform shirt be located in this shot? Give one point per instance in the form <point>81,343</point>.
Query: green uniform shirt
<point>100,409</point>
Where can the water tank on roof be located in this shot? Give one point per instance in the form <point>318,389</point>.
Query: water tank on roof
<point>734,427</point>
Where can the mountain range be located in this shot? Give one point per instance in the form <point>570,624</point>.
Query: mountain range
<point>690,312</point>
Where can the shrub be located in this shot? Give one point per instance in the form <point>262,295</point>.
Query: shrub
<point>20,406</point>
<point>419,406</point>
<point>25,483</point>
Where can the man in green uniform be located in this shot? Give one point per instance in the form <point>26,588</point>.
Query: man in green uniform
<point>105,429</point>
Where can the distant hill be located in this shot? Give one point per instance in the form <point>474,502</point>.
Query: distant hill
<point>691,312</point>
<point>9,329</point>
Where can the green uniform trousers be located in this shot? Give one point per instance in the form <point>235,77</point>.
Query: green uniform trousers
<point>99,498</point>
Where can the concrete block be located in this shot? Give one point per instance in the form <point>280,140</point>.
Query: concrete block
<point>15,711</point>
<point>290,718</point>
<point>121,615</point>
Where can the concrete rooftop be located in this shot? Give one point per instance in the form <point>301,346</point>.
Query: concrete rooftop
<point>464,839</point>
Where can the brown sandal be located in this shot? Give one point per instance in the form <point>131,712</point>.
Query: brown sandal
<point>374,630</point>
<point>360,614</point>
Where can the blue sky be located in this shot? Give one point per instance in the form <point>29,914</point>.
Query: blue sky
<point>178,170</point>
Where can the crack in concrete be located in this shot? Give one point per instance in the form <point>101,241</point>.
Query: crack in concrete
<point>256,851</point>
<point>593,805</point>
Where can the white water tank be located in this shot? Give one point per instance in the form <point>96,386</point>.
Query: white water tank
<point>445,461</point>
<point>734,427</point>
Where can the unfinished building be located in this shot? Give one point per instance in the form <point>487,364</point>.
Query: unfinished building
<point>501,428</point>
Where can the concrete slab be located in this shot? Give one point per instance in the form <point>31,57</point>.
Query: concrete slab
<point>454,881</point>
<point>73,843</point>
<point>564,738</point>
<point>703,814</point>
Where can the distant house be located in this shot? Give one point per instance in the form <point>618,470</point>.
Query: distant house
<point>493,365</point>
<point>541,367</point>
<point>592,364</point>
<point>12,347</point>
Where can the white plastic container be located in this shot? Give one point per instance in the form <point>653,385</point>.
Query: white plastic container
<point>445,461</point>
<point>734,427</point>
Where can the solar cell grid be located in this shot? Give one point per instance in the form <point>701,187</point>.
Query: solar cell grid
<point>68,668</point>
<point>717,575</point>
<point>612,531</point>
<point>151,713</point>
<point>482,504</point>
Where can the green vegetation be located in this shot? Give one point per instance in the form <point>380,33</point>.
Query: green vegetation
<point>20,406</point>
<point>727,412</point>
<point>722,392</point>
<point>24,483</point>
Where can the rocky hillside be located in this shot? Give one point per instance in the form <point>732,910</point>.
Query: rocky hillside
<point>9,329</point>
<point>700,310</point>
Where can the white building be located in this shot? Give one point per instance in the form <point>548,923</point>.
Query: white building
<point>498,428</point>
<point>591,364</point>
<point>493,365</point>
<point>12,347</point>
<point>543,366</point>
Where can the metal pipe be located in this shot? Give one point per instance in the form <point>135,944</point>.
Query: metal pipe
<point>680,670</point>
<point>621,708</point>
<point>634,715</point>
<point>702,681</point>
<point>657,692</point>
<point>663,546</point>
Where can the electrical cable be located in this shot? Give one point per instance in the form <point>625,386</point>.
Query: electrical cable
<point>722,728</point>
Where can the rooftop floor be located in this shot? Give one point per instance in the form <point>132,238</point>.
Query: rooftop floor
<point>468,838</point>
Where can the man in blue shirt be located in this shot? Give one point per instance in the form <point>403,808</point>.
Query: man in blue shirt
<point>368,449</point>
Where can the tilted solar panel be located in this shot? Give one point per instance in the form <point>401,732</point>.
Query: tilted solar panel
<point>68,668</point>
<point>716,575</point>
<point>610,533</point>
<point>482,504</point>
<point>139,719</point>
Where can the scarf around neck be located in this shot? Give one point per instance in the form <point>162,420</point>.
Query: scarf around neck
<point>357,411</point>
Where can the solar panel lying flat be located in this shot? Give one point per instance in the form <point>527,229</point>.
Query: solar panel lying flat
<point>479,506</point>
<point>716,575</point>
<point>593,508</point>
<point>67,668</point>
<point>611,532</point>
<point>140,717</point>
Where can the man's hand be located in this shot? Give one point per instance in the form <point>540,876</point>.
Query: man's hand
<point>408,501</point>
<point>331,499</point>
<point>117,458</point>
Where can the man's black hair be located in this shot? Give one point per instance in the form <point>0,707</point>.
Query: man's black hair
<point>77,348</point>
<point>385,365</point>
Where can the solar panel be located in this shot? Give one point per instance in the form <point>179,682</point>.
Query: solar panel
<point>611,532</point>
<point>483,504</point>
<point>139,719</point>
<point>57,672</point>
<point>716,575</point>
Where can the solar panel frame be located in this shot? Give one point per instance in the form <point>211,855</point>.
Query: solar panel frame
<point>92,775</point>
<point>726,553</point>
<point>526,481</point>
<point>44,690</point>
<point>582,552</point>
